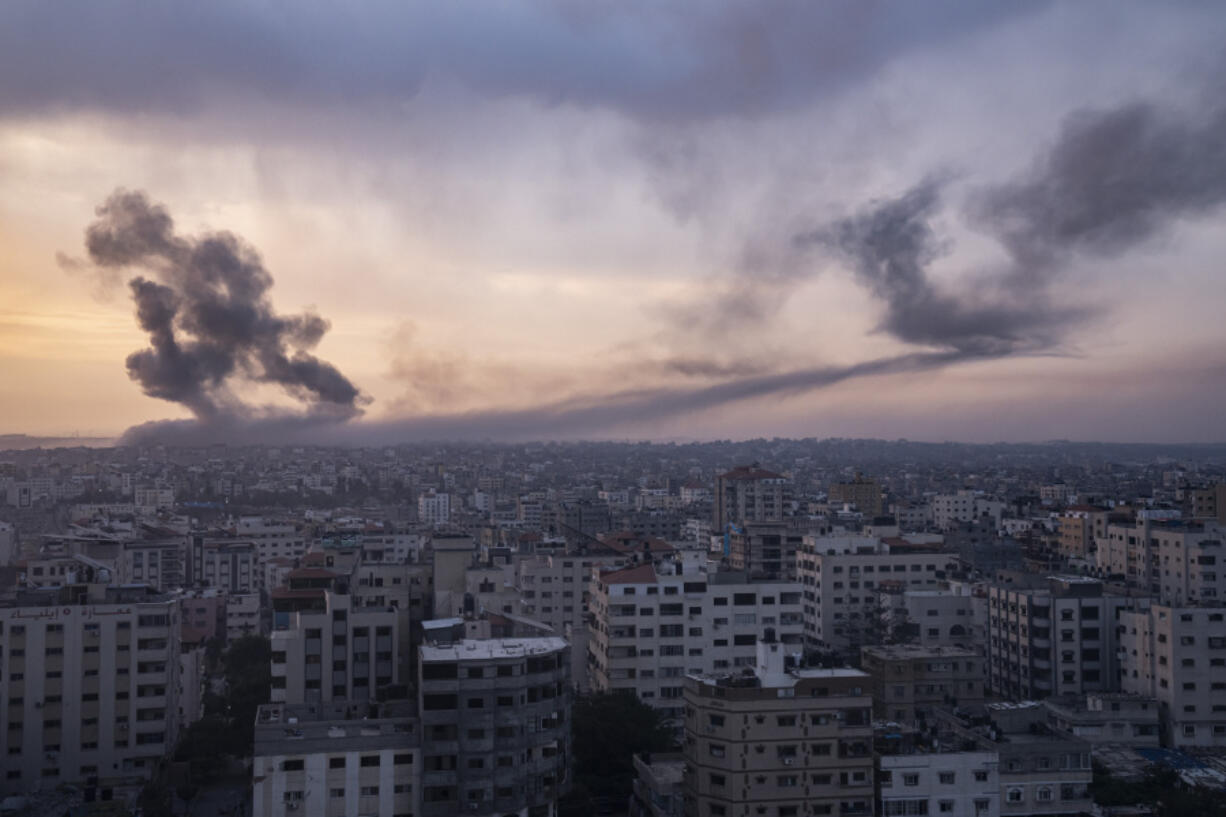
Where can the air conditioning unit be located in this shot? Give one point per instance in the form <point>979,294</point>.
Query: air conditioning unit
<point>291,806</point>
<point>787,761</point>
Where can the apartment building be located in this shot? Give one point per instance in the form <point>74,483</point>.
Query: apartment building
<point>932,618</point>
<point>933,773</point>
<point>273,539</point>
<point>1177,655</point>
<point>652,624</point>
<point>329,650</point>
<point>843,577</point>
<point>434,509</point>
<point>1079,527</point>
<point>1178,563</point>
<point>909,683</point>
<point>950,510</point>
<point>791,741</point>
<point>203,616</point>
<point>495,717</point>
<point>1117,718</point>
<point>1054,640</point>
<point>227,564</point>
<point>749,494</point>
<point>1043,773</point>
<point>864,494</point>
<point>659,789</point>
<point>243,615</point>
<point>770,548</point>
<point>158,563</point>
<point>89,688</point>
<point>336,760</point>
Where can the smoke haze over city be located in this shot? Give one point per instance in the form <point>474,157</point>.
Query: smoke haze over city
<point>559,220</point>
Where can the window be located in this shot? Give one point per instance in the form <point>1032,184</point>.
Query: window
<point>910,779</point>
<point>947,778</point>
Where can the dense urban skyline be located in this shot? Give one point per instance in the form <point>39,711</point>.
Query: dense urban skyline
<point>556,220</point>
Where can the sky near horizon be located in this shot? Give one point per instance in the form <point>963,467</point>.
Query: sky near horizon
<point>939,220</point>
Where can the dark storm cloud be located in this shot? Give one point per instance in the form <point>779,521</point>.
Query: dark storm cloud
<point>648,59</point>
<point>210,322</point>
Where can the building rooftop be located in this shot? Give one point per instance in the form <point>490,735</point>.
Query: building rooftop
<point>299,729</point>
<point>897,652</point>
<point>750,472</point>
<point>638,574</point>
<point>486,649</point>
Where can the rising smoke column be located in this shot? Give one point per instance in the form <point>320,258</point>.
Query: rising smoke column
<point>204,302</point>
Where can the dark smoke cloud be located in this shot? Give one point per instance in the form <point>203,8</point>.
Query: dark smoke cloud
<point>204,302</point>
<point>1113,179</point>
<point>582,416</point>
<point>890,247</point>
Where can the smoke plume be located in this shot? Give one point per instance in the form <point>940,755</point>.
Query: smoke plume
<point>1113,179</point>
<point>890,246</point>
<point>204,303</point>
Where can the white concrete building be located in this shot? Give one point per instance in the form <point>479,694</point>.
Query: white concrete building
<point>1178,656</point>
<point>949,510</point>
<point>331,651</point>
<point>90,687</point>
<point>1056,640</point>
<point>653,624</point>
<point>842,585</point>
<point>496,719</point>
<point>941,780</point>
<point>434,509</point>
<point>944,617</point>
<point>273,539</point>
<point>242,615</point>
<point>1178,563</point>
<point>332,760</point>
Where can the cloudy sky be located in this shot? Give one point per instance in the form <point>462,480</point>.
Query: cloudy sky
<point>373,221</point>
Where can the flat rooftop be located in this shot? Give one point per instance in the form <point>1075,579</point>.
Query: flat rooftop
<point>480,649</point>
<point>912,651</point>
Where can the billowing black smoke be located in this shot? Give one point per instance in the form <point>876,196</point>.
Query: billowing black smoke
<point>890,246</point>
<point>1113,179</point>
<point>204,302</point>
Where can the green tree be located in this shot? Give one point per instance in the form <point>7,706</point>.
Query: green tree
<point>248,674</point>
<point>607,730</point>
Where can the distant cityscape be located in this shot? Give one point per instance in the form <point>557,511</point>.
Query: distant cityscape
<point>842,627</point>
